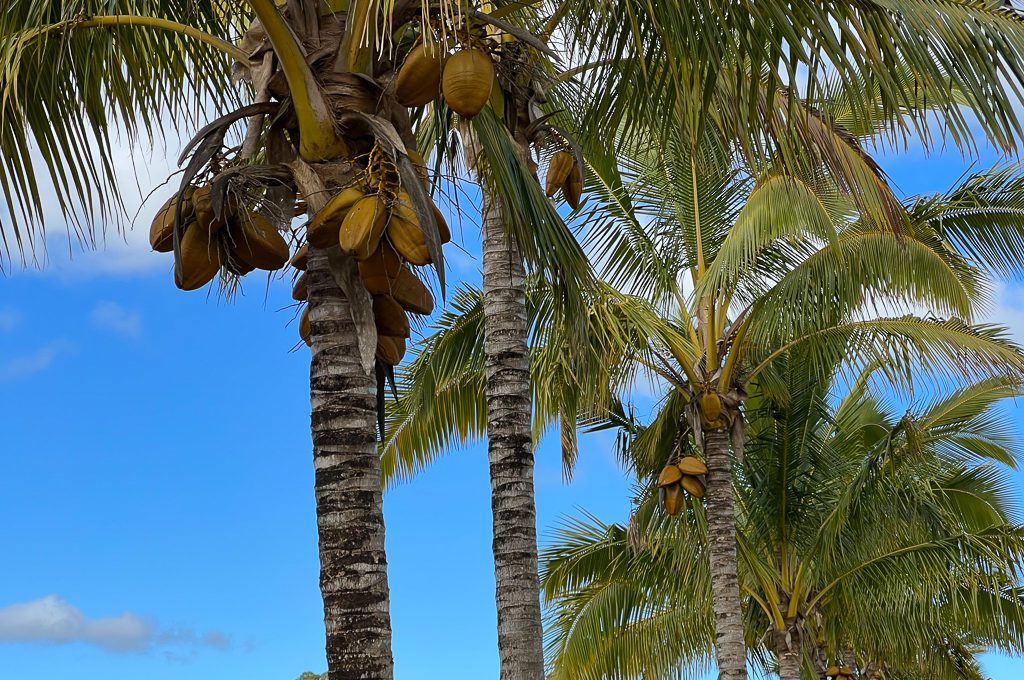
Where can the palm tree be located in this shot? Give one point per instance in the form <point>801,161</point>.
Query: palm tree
<point>656,57</point>
<point>802,266</point>
<point>866,535</point>
<point>323,102</point>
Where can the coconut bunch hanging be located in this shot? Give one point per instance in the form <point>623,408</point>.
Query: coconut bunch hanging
<point>684,476</point>
<point>565,175</point>
<point>465,78</point>
<point>375,222</point>
<point>845,672</point>
<point>214,235</point>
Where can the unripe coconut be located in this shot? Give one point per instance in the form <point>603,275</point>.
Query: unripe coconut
<point>467,81</point>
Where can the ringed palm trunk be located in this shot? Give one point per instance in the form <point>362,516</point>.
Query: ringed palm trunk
<point>349,506</point>
<point>510,451</point>
<point>790,656</point>
<point>730,649</point>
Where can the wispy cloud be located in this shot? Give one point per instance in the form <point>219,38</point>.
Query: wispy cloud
<point>54,620</point>
<point>9,319</point>
<point>115,318</point>
<point>34,362</point>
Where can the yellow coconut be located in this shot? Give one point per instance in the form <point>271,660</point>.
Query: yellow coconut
<point>206,217</point>
<point>670,474</point>
<point>419,165</point>
<point>384,262</point>
<point>673,499</point>
<point>258,243</point>
<point>363,226</point>
<point>199,262</point>
<point>693,486</point>
<point>572,188</point>
<point>467,81</point>
<point>322,230</point>
<point>559,167</point>
<point>299,290</point>
<point>405,233</point>
<point>443,232</point>
<point>692,466</point>
<point>390,349</point>
<point>710,407</point>
<point>419,79</point>
<point>161,231</point>
<point>300,260</point>
<point>305,330</point>
<point>391,319</point>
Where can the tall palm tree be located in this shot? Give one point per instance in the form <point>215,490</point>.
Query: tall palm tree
<point>879,537</point>
<point>323,100</point>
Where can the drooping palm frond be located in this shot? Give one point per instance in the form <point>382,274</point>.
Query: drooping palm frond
<point>982,217</point>
<point>441,400</point>
<point>677,53</point>
<point>76,75</point>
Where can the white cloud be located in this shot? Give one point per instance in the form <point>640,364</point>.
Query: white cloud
<point>9,319</point>
<point>35,362</point>
<point>115,318</point>
<point>1008,309</point>
<point>142,185</point>
<point>54,620</point>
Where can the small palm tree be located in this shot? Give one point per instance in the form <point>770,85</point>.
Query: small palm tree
<point>864,536</point>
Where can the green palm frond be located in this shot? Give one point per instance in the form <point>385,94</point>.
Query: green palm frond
<point>923,553</point>
<point>982,217</point>
<point>69,88</point>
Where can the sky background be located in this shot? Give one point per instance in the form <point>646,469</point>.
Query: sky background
<point>156,487</point>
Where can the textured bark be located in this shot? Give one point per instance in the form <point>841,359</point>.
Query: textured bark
<point>730,649</point>
<point>789,656</point>
<point>350,518</point>
<point>510,452</point>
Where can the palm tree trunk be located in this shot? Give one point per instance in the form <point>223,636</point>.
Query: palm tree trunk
<point>349,505</point>
<point>730,649</point>
<point>510,451</point>
<point>789,656</point>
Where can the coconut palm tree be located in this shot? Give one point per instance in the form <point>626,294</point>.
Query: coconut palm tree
<point>319,100</point>
<point>866,536</point>
<point>803,266</point>
<point>639,60</point>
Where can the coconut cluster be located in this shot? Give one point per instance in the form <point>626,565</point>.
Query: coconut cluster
<point>684,476</point>
<point>215,235</point>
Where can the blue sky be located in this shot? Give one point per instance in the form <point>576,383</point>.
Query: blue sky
<point>156,507</point>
